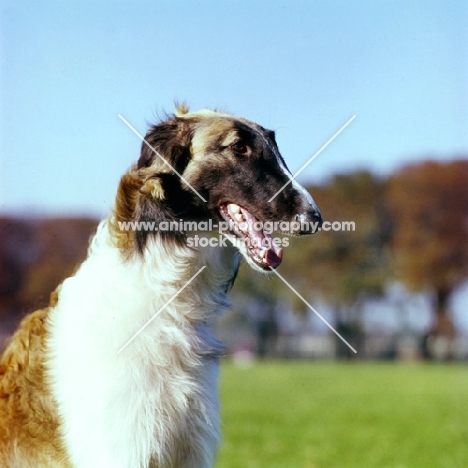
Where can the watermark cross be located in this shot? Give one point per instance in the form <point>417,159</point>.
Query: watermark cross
<point>159,155</point>
<point>314,311</point>
<point>161,309</point>
<point>312,158</point>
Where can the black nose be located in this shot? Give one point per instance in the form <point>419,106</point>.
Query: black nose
<point>309,222</point>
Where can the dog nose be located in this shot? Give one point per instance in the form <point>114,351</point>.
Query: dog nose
<point>310,221</point>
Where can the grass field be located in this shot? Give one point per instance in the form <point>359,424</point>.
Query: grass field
<point>315,415</point>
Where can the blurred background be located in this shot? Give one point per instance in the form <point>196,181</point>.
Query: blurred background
<point>396,287</point>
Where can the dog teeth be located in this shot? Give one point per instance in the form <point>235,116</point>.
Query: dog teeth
<point>233,208</point>
<point>238,217</point>
<point>263,254</point>
<point>243,226</point>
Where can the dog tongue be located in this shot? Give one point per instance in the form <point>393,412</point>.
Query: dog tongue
<point>274,254</point>
<point>274,257</point>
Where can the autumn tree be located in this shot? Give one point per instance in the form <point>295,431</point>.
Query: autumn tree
<point>345,264</point>
<point>429,206</point>
<point>35,256</point>
<point>59,245</point>
<point>344,267</point>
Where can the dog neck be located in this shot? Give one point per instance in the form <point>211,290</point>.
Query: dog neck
<point>109,300</point>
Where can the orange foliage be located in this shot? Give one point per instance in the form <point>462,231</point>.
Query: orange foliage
<point>429,205</point>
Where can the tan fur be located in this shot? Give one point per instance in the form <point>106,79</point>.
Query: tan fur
<point>154,188</point>
<point>181,428</point>
<point>209,127</point>
<point>124,209</point>
<point>136,182</point>
<point>25,400</point>
<point>181,109</point>
<point>210,130</point>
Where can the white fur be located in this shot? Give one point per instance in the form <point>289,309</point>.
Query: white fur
<point>155,404</point>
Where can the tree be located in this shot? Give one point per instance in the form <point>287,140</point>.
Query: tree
<point>344,264</point>
<point>429,206</point>
<point>345,267</point>
<point>59,245</point>
<point>35,256</point>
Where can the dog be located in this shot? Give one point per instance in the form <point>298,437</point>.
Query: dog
<point>74,391</point>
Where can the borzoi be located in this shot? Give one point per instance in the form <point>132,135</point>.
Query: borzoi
<point>71,394</point>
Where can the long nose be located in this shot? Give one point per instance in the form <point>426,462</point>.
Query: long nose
<point>307,219</point>
<point>310,220</point>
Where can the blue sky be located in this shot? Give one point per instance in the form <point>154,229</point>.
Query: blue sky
<point>302,68</point>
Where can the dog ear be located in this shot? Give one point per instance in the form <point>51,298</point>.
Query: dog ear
<point>167,146</point>
<point>162,202</point>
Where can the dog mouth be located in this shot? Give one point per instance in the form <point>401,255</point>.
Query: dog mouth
<point>259,245</point>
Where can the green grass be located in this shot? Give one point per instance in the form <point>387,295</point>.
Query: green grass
<point>315,415</point>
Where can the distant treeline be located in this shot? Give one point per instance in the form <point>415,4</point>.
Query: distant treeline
<point>35,256</point>
<point>411,227</point>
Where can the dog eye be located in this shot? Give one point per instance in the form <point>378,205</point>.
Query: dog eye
<point>239,147</point>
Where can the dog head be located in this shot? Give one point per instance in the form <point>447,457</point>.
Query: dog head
<point>210,165</point>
